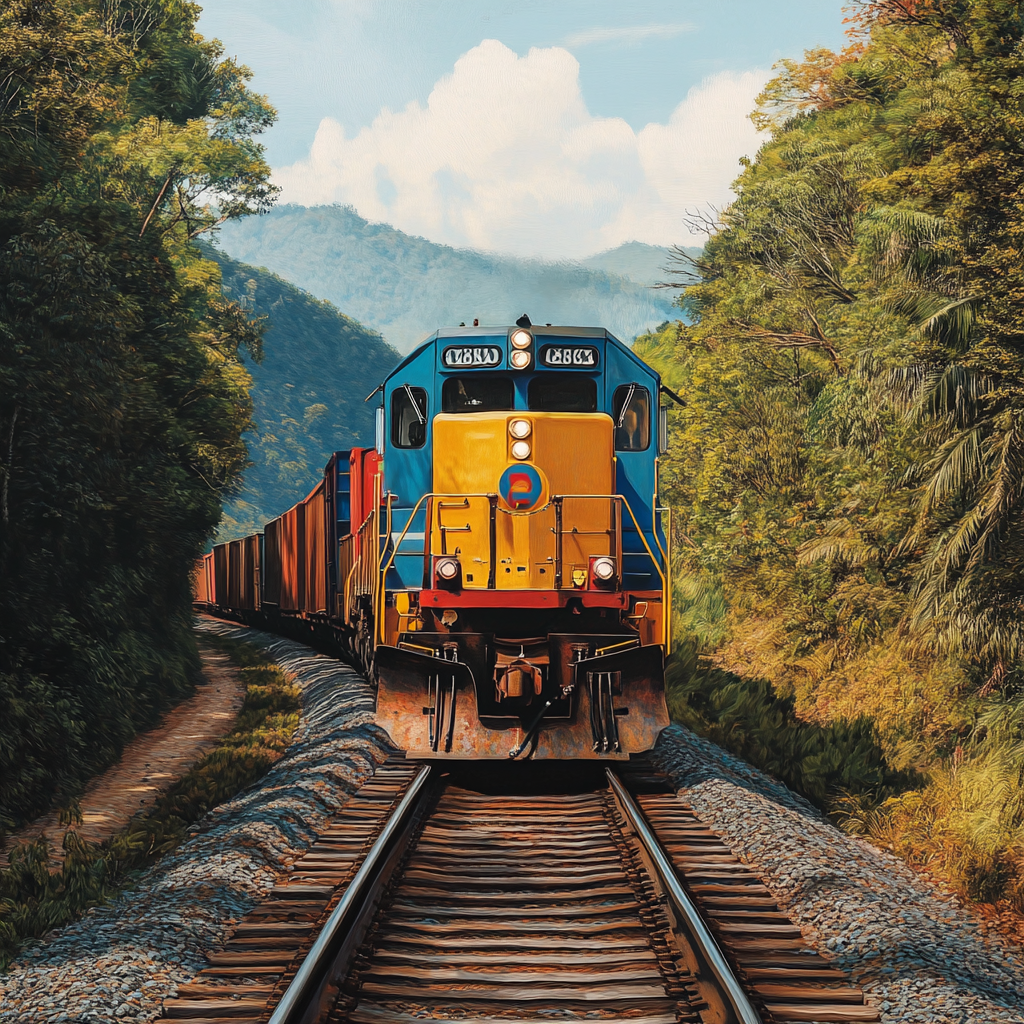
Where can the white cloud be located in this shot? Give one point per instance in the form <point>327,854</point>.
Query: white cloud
<point>629,35</point>
<point>505,156</point>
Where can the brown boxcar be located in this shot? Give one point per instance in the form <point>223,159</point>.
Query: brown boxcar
<point>271,568</point>
<point>203,580</point>
<point>291,538</point>
<point>221,587</point>
<point>314,575</point>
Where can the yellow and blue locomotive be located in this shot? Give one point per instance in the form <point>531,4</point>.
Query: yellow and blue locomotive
<point>498,562</point>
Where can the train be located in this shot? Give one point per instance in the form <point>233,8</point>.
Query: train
<point>498,563</point>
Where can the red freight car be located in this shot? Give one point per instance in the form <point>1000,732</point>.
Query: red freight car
<point>305,566</point>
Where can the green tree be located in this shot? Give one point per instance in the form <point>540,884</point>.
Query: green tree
<point>123,395</point>
<point>849,466</point>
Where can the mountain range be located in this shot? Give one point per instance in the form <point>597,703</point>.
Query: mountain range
<point>308,392</point>
<point>405,287</point>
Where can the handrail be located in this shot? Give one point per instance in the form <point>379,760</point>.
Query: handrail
<point>668,575</point>
<point>384,568</point>
<point>647,548</point>
<point>347,595</point>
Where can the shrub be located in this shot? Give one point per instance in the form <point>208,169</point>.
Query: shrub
<point>835,766</point>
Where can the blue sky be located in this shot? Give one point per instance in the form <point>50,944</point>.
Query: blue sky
<point>554,128</point>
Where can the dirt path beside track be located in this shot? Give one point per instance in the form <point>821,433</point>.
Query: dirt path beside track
<point>152,762</point>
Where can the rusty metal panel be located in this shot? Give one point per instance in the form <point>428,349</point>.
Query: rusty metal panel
<point>364,465</point>
<point>292,547</point>
<point>271,567</point>
<point>220,575</point>
<point>315,552</point>
<point>202,580</point>
<point>234,574</point>
<point>249,583</point>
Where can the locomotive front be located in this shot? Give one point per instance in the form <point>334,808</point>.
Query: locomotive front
<point>522,604</point>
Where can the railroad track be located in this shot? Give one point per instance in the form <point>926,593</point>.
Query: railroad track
<point>449,897</point>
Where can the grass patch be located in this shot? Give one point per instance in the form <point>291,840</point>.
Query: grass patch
<point>34,900</point>
<point>838,767</point>
<point>962,820</point>
<point>967,825</point>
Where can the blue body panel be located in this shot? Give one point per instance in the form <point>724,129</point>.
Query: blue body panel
<point>408,471</point>
<point>635,472</point>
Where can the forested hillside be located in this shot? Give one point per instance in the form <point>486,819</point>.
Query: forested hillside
<point>848,471</point>
<point>308,392</point>
<point>406,287</point>
<point>123,394</point>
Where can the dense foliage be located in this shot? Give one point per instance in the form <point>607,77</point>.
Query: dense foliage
<point>406,287</point>
<point>839,765</point>
<point>850,462</point>
<point>35,899</point>
<point>124,136</point>
<point>309,392</point>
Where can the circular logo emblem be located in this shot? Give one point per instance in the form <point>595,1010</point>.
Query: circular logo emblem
<point>521,487</point>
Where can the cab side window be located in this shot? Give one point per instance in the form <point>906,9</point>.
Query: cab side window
<point>408,417</point>
<point>631,414</point>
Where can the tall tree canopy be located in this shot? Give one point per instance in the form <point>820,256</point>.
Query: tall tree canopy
<point>850,462</point>
<point>124,136</point>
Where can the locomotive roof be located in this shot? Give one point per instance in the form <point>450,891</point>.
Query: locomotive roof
<point>538,329</point>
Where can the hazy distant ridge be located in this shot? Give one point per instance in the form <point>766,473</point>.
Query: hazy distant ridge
<point>406,287</point>
<point>308,392</point>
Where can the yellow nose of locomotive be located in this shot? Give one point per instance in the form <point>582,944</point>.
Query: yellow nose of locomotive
<point>498,478</point>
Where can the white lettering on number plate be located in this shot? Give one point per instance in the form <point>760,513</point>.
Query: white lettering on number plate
<point>584,356</point>
<point>472,355</point>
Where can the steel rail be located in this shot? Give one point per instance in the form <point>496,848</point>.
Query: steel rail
<point>310,977</point>
<point>706,944</point>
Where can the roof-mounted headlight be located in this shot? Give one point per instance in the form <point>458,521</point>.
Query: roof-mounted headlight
<point>520,359</point>
<point>521,338</point>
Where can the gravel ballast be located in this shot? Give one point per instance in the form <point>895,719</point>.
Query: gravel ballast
<point>919,956</point>
<point>122,959</point>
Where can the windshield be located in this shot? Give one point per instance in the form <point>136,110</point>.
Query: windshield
<point>476,393</point>
<point>563,392</point>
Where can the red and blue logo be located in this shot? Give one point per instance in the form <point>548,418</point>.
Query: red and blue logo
<point>521,487</point>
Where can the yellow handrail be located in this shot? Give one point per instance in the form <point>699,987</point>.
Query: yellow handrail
<point>662,574</point>
<point>384,570</point>
<point>348,584</point>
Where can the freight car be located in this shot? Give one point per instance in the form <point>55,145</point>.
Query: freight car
<point>498,563</point>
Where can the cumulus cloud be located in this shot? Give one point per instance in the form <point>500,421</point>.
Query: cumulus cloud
<point>505,156</point>
<point>628,35</point>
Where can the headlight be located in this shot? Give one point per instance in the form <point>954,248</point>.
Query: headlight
<point>447,568</point>
<point>519,428</point>
<point>520,359</point>
<point>521,339</point>
<point>603,569</point>
<point>520,449</point>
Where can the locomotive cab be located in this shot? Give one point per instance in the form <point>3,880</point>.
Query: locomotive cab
<point>524,566</point>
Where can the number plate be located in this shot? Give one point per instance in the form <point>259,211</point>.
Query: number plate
<point>471,355</point>
<point>582,357</point>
